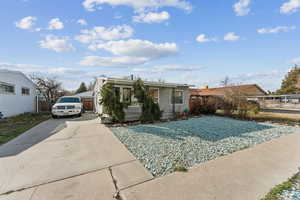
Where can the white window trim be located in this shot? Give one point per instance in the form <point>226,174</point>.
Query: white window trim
<point>132,96</point>
<point>8,84</point>
<point>158,93</point>
<point>183,99</point>
<point>22,91</point>
<point>122,93</point>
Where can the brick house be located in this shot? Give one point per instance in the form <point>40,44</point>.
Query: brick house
<point>247,90</point>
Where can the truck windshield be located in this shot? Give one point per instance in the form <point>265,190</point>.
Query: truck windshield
<point>69,100</point>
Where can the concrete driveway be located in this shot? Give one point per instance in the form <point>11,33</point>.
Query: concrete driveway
<point>67,159</point>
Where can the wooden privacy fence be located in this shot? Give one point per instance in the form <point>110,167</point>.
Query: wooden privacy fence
<point>42,106</point>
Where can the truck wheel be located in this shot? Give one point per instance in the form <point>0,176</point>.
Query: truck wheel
<point>54,116</point>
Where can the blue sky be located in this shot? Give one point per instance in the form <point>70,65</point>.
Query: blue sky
<point>187,41</point>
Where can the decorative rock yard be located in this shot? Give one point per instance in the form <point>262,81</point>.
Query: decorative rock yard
<point>292,194</point>
<point>162,147</point>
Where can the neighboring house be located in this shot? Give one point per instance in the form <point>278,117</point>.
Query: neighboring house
<point>87,99</point>
<point>17,93</point>
<point>246,90</point>
<point>161,93</point>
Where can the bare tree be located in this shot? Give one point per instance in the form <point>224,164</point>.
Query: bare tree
<point>236,100</point>
<point>50,88</point>
<point>92,84</point>
<point>161,80</point>
<point>225,82</point>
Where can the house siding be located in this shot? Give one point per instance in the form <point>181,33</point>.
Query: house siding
<point>14,104</point>
<point>166,104</point>
<point>133,112</point>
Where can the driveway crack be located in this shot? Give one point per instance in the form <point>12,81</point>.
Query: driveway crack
<point>117,193</point>
<point>33,193</point>
<point>75,132</point>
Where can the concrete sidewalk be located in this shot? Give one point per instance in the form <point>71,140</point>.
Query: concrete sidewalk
<point>247,175</point>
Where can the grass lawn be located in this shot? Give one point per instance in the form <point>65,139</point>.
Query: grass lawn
<point>289,190</point>
<point>177,145</point>
<point>14,126</point>
<point>285,116</point>
<point>268,116</point>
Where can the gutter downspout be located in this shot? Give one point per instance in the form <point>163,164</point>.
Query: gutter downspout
<point>37,104</point>
<point>173,102</point>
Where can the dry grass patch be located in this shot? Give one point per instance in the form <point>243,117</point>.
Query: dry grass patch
<point>14,126</point>
<point>281,118</point>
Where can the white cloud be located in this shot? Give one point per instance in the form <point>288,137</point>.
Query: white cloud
<point>26,23</point>
<point>241,8</point>
<point>203,39</point>
<point>123,61</point>
<point>164,68</point>
<point>138,69</point>
<point>130,52</point>
<point>31,68</point>
<point>82,22</point>
<point>99,33</point>
<point>151,17</point>
<point>140,48</point>
<point>296,60</point>
<point>231,37</point>
<point>267,80</point>
<point>56,44</point>
<point>139,5</point>
<point>290,7</point>
<point>118,16</point>
<point>69,76</point>
<point>39,69</point>
<point>276,29</point>
<point>55,24</point>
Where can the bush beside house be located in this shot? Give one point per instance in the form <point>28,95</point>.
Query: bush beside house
<point>150,110</point>
<point>112,105</point>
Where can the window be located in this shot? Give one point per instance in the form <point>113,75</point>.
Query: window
<point>154,93</point>
<point>7,88</point>
<point>25,91</point>
<point>178,97</point>
<point>127,95</point>
<point>69,100</point>
<point>116,91</point>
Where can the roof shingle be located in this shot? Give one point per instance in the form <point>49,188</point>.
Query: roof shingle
<point>249,90</point>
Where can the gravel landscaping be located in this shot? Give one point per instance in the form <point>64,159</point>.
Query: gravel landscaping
<point>289,190</point>
<point>292,194</point>
<point>163,147</point>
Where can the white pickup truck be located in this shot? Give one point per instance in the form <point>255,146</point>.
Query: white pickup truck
<point>67,106</point>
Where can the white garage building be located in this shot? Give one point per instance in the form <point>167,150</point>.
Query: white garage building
<point>17,93</point>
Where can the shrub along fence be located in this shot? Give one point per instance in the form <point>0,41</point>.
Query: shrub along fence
<point>230,103</point>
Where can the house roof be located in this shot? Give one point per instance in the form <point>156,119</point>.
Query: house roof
<point>120,81</point>
<point>18,73</point>
<point>249,90</point>
<point>85,94</point>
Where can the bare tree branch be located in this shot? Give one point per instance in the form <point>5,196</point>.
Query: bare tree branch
<point>49,87</point>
